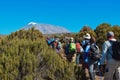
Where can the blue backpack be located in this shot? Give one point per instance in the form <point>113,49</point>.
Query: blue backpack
<point>50,41</point>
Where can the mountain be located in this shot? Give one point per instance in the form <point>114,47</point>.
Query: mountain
<point>47,28</point>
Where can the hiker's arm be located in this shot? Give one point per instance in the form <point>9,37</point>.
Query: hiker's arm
<point>104,53</point>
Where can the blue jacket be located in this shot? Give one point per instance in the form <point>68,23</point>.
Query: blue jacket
<point>86,49</point>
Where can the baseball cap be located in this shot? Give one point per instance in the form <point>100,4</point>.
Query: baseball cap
<point>110,33</point>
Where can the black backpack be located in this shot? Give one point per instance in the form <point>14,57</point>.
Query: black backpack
<point>116,50</point>
<point>94,52</point>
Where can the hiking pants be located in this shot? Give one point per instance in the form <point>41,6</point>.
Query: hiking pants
<point>77,58</point>
<point>72,56</point>
<point>112,69</point>
<point>91,70</point>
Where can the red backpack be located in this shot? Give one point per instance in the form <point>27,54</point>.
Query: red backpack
<point>78,46</point>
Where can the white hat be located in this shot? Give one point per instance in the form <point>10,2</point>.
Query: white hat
<point>87,36</point>
<point>71,38</point>
<point>56,40</point>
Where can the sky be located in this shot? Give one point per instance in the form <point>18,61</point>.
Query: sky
<point>70,14</point>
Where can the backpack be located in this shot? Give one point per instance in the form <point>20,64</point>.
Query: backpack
<point>72,47</point>
<point>50,41</point>
<point>116,50</point>
<point>55,44</point>
<point>94,52</point>
<point>78,46</point>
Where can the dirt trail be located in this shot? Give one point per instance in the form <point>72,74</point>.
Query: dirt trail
<point>99,78</point>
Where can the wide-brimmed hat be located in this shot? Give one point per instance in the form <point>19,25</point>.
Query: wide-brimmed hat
<point>87,36</point>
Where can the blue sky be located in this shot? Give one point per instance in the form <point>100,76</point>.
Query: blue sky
<point>71,14</point>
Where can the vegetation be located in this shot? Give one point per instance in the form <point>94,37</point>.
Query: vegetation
<point>102,30</point>
<point>99,33</point>
<point>24,55</point>
<point>83,31</point>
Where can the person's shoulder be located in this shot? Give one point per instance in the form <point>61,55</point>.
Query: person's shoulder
<point>107,43</point>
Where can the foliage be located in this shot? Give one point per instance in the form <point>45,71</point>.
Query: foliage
<point>101,32</point>
<point>83,31</point>
<point>24,55</point>
<point>31,34</point>
<point>103,29</point>
<point>116,30</point>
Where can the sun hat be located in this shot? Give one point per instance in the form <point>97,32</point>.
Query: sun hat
<point>87,36</point>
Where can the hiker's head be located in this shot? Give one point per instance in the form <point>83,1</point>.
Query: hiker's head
<point>71,39</point>
<point>110,34</point>
<point>77,41</point>
<point>56,40</point>
<point>87,36</point>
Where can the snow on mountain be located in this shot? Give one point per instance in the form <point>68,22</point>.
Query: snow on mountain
<point>47,28</point>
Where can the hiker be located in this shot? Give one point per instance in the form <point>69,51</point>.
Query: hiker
<point>72,50</point>
<point>112,65</point>
<point>50,42</point>
<point>93,58</point>
<point>86,47</point>
<point>90,52</point>
<point>55,44</point>
<point>58,46</point>
<point>79,51</point>
<point>66,47</point>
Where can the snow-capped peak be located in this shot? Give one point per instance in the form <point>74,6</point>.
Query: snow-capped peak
<point>32,23</point>
<point>46,28</point>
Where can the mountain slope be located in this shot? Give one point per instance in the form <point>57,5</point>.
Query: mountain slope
<point>47,28</point>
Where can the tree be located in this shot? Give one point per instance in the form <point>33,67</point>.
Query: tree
<point>116,30</point>
<point>101,32</point>
<point>83,31</point>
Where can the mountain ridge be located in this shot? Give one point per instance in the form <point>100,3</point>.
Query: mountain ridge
<point>46,28</point>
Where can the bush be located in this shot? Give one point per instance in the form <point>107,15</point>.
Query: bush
<point>24,55</point>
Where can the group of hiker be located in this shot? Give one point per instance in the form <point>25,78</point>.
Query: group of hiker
<point>55,44</point>
<point>88,54</point>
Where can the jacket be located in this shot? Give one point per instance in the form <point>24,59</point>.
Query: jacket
<point>107,51</point>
